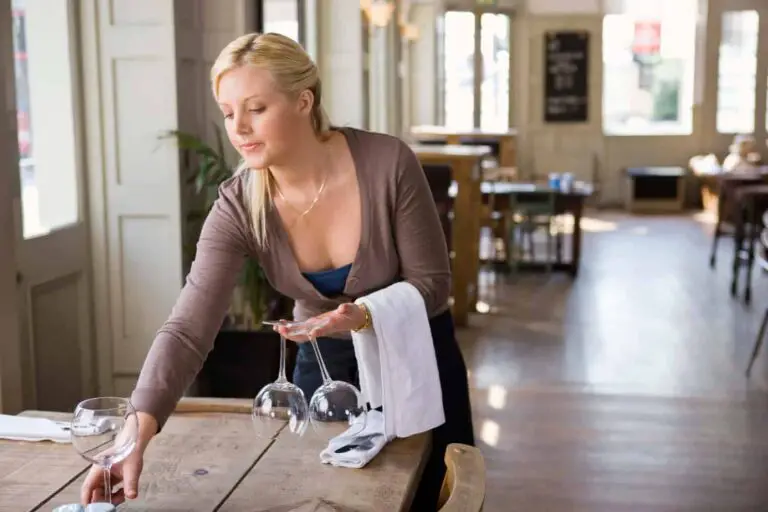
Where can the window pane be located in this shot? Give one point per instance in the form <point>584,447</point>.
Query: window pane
<point>736,79</point>
<point>282,17</point>
<point>45,116</point>
<point>494,45</point>
<point>648,66</point>
<point>459,69</point>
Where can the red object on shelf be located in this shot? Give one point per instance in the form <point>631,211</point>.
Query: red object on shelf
<point>647,38</point>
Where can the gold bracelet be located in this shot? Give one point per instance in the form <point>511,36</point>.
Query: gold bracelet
<point>368,320</point>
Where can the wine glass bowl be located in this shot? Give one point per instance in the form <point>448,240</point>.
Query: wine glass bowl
<point>104,431</point>
<point>336,405</point>
<point>278,403</point>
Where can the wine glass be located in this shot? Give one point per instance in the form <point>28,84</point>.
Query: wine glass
<point>335,403</point>
<point>280,402</point>
<point>104,431</point>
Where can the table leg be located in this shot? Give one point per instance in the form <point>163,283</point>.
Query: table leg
<point>576,256</point>
<point>718,226</point>
<point>466,240</point>
<point>738,242</point>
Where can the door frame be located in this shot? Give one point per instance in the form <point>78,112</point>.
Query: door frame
<point>67,245</point>
<point>10,340</point>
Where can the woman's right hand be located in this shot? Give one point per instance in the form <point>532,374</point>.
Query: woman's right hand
<point>126,472</point>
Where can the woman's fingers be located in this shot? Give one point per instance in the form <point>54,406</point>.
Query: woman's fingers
<point>92,489</point>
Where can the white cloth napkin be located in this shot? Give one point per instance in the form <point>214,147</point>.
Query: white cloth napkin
<point>355,450</point>
<point>396,361</point>
<point>25,428</point>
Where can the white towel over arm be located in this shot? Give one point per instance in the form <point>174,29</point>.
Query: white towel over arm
<point>396,361</point>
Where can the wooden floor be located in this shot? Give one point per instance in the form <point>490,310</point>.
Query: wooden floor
<point>623,389</point>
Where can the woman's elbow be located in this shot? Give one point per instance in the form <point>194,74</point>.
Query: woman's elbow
<point>436,291</point>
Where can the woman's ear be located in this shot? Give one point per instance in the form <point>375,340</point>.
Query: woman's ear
<point>305,101</point>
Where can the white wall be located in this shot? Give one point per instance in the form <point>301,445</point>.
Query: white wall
<point>341,60</point>
<point>422,69</point>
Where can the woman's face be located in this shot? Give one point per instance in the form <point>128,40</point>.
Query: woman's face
<point>262,122</point>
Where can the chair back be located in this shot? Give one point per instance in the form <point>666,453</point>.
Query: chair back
<point>464,484</point>
<point>440,178</point>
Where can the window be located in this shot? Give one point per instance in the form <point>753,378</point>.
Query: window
<point>494,45</point>
<point>648,68</point>
<point>459,62</point>
<point>737,65</point>
<point>45,115</point>
<point>282,17</point>
<point>463,89</point>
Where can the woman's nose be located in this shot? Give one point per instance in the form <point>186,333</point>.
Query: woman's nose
<point>242,124</point>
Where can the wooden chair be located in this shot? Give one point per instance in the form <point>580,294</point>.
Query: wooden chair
<point>440,178</point>
<point>464,484</point>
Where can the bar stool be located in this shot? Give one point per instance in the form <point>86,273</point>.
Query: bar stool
<point>750,204</point>
<point>726,203</point>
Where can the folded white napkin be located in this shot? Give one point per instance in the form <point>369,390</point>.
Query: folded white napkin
<point>25,428</point>
<point>396,361</point>
<point>355,450</point>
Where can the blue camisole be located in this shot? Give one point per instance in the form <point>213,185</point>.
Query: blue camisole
<point>329,282</point>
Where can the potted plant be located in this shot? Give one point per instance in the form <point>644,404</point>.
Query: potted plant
<point>245,356</point>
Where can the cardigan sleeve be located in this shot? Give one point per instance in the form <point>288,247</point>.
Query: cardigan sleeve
<point>419,236</point>
<point>185,339</point>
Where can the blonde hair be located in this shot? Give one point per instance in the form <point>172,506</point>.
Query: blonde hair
<point>294,72</point>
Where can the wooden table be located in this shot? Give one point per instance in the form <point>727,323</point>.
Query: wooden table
<point>566,202</point>
<point>506,139</point>
<point>465,167</point>
<point>213,461</point>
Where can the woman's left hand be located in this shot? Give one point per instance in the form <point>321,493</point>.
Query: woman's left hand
<point>346,317</point>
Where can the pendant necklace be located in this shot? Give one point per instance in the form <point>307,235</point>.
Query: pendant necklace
<point>312,205</point>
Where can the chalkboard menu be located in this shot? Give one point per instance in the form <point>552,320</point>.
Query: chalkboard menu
<point>566,68</point>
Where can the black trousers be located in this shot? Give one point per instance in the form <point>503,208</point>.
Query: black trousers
<point>339,357</point>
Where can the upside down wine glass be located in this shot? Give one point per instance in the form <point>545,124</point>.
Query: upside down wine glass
<point>104,431</point>
<point>278,403</point>
<point>336,405</point>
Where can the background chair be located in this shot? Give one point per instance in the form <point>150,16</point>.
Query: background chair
<point>528,213</point>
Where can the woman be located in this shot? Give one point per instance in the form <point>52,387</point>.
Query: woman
<point>332,215</point>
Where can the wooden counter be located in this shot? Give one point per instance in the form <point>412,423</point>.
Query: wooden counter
<point>465,167</point>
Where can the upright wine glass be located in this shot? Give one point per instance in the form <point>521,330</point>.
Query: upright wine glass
<point>335,404</point>
<point>104,431</point>
<point>280,402</point>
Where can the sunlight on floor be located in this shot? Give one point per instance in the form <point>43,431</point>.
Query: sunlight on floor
<point>489,433</point>
<point>497,396</point>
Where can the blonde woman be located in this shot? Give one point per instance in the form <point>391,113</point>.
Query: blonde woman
<point>331,214</point>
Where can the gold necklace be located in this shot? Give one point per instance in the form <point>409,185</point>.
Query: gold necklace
<point>312,205</point>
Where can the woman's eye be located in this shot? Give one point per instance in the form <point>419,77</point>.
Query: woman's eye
<point>228,116</point>
<point>259,110</point>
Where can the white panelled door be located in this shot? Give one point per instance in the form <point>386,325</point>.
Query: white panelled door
<point>737,46</point>
<point>53,298</point>
<point>129,62</point>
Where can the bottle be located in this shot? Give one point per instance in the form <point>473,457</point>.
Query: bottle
<point>554,181</point>
<point>566,183</point>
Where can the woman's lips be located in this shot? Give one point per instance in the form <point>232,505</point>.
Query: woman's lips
<point>251,147</point>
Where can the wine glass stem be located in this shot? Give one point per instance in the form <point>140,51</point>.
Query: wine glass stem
<point>323,369</point>
<point>281,377</point>
<point>107,485</point>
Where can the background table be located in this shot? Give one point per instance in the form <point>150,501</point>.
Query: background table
<point>213,461</point>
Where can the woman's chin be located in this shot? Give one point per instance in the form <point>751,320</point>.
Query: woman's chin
<point>257,161</point>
